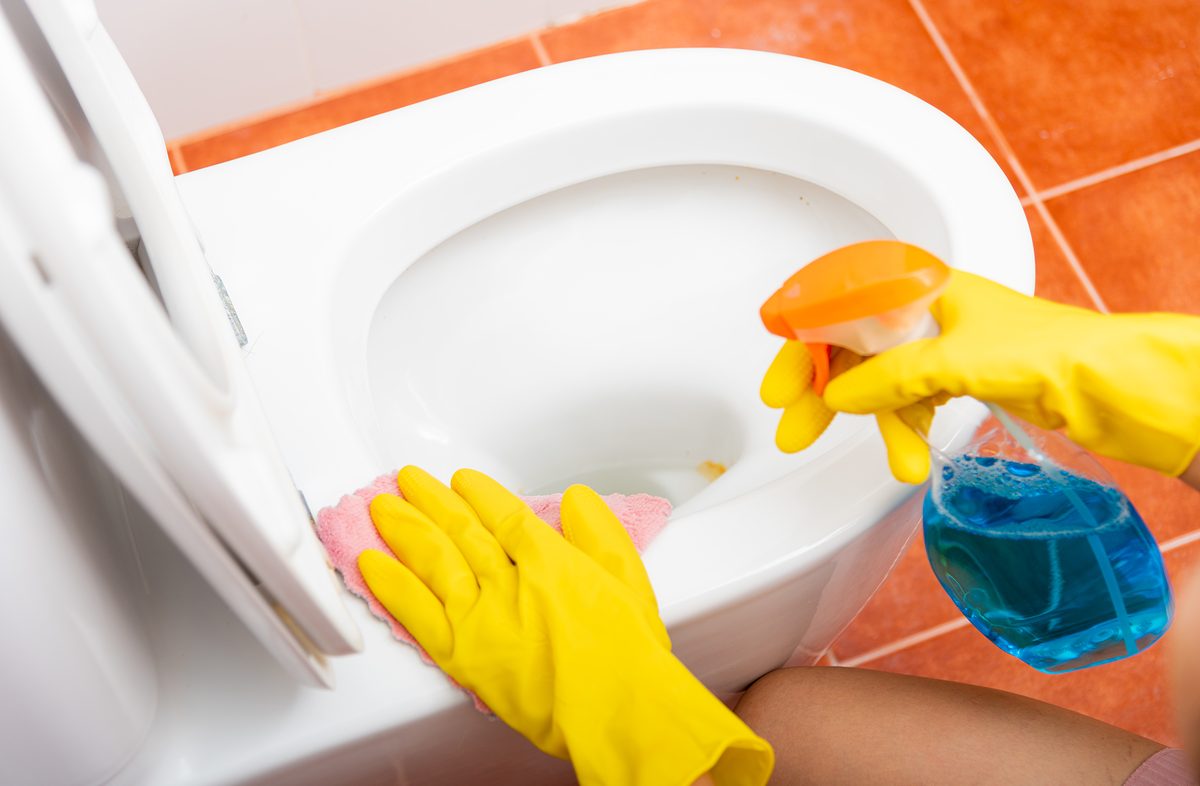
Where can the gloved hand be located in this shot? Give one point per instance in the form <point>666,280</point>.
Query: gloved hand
<point>787,385</point>
<point>1126,386</point>
<point>559,635</point>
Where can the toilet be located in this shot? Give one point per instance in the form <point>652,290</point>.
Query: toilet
<point>554,278</point>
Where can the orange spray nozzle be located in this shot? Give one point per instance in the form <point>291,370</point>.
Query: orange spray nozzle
<point>865,297</point>
<point>820,363</point>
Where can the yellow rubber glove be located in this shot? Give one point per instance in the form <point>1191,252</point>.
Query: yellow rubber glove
<point>787,385</point>
<point>559,635</point>
<point>1126,386</point>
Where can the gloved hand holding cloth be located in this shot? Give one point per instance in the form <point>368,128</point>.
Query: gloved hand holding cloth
<point>560,636</point>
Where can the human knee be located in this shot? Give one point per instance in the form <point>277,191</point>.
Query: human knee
<point>774,694</point>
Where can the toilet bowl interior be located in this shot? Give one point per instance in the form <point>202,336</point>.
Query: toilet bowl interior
<point>605,333</point>
<point>575,297</point>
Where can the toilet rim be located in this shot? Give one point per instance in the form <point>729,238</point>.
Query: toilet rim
<point>923,175</point>
<point>438,161</point>
<point>915,169</point>
<point>362,184</point>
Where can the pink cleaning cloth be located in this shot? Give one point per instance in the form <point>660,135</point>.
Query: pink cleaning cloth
<point>346,530</point>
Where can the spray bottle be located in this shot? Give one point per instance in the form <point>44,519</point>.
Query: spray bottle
<point>1025,531</point>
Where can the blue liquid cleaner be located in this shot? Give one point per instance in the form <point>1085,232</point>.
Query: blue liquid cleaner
<point>1054,568</point>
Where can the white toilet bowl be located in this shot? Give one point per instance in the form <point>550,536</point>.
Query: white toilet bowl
<point>555,277</point>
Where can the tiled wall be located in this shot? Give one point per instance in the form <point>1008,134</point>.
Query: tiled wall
<point>204,62</point>
<point>1093,110</point>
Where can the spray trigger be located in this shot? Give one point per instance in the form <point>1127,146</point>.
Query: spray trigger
<point>820,362</point>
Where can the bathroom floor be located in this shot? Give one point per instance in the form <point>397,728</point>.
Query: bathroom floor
<point>1093,109</point>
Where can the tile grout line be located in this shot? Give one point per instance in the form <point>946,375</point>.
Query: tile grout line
<point>310,64</point>
<point>1179,541</point>
<point>1120,169</point>
<point>1068,252</point>
<point>904,643</point>
<point>920,637</point>
<point>539,48</point>
<point>993,128</point>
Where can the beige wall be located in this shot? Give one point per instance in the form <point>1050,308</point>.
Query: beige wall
<point>205,62</point>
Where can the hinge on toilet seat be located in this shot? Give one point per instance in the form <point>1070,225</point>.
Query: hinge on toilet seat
<point>141,256</point>
<point>230,311</point>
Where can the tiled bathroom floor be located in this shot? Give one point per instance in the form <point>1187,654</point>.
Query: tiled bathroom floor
<point>1092,108</point>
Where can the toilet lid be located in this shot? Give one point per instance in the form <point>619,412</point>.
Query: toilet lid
<point>161,394</point>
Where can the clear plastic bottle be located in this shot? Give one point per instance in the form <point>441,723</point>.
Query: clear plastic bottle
<point>1043,553</point>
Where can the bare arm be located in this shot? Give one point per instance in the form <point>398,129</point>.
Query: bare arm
<point>836,726</point>
<point>1185,648</point>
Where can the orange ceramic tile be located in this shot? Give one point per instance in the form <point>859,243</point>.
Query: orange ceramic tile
<point>1168,507</point>
<point>175,156</point>
<point>1056,279</point>
<point>355,103</point>
<point>882,38</point>
<point>1133,694</point>
<point>1078,87</point>
<point>1136,235</point>
<point>909,601</point>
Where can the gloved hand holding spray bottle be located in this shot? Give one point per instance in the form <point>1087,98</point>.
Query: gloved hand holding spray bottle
<point>1028,535</point>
